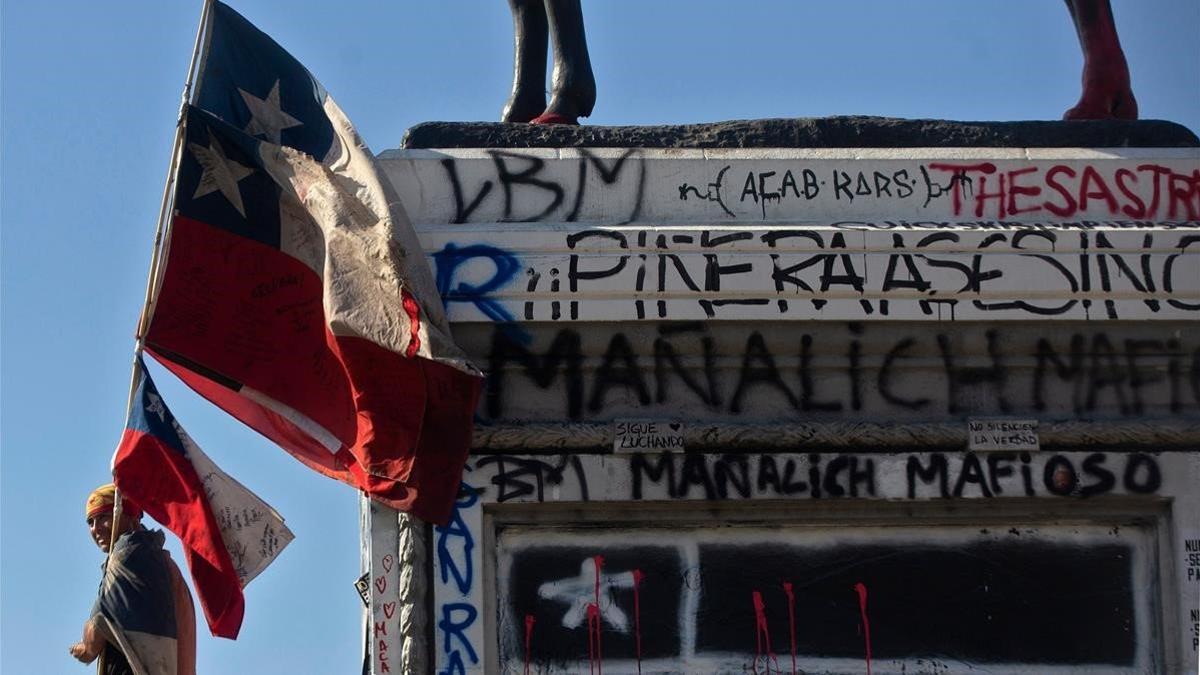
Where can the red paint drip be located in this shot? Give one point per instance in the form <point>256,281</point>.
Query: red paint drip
<point>787,590</point>
<point>597,563</point>
<point>595,654</point>
<point>762,636</point>
<point>862,608</point>
<point>595,663</point>
<point>529,621</point>
<point>637,615</point>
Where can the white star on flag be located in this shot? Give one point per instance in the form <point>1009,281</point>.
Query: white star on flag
<point>580,591</point>
<point>156,406</point>
<point>221,174</point>
<point>267,119</point>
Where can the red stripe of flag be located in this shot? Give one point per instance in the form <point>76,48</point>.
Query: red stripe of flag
<point>164,483</point>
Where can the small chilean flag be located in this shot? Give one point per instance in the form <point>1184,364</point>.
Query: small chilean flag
<point>229,534</point>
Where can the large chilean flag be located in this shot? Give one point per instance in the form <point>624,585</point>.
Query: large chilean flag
<point>295,294</point>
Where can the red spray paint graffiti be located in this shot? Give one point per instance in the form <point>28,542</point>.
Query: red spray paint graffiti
<point>529,621</point>
<point>862,609</point>
<point>787,590</point>
<point>595,654</point>
<point>595,662</point>
<point>637,616</point>
<point>762,637</point>
<point>1152,191</point>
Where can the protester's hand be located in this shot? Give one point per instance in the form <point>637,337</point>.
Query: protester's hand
<point>81,652</point>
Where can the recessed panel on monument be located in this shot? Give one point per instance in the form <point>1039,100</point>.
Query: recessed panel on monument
<point>997,598</point>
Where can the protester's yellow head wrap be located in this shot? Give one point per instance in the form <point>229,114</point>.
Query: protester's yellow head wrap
<point>101,501</point>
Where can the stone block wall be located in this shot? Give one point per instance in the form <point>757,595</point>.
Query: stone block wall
<point>826,410</point>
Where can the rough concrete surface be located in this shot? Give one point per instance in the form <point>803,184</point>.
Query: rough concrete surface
<point>809,132</point>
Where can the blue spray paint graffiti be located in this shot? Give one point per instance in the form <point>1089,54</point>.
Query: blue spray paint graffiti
<point>451,629</point>
<point>451,257</point>
<point>447,565</point>
<point>455,546</point>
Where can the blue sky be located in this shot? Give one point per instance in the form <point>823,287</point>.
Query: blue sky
<point>87,112</point>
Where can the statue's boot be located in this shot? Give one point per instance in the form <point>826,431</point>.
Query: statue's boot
<point>1106,95</point>
<point>530,40</point>
<point>573,88</point>
<point>1106,90</point>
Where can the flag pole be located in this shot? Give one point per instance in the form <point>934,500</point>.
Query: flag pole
<point>155,260</point>
<point>167,195</point>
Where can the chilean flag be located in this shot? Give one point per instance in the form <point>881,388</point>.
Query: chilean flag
<point>295,294</point>
<point>229,534</point>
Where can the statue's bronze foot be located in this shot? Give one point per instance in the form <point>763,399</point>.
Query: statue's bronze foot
<point>554,118</point>
<point>1104,102</point>
<point>523,108</point>
<point>1106,91</point>
<point>569,103</point>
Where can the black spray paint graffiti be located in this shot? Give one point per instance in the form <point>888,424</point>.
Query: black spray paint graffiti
<point>712,192</point>
<point>751,603</point>
<point>763,187</point>
<point>1195,618</point>
<point>747,476</point>
<point>520,477</point>
<point>693,475</point>
<point>1090,370</point>
<point>528,187</point>
<point>767,187</point>
<point>699,263</point>
<point>1019,225</point>
<point>717,477</point>
<point>981,189</point>
<point>823,272</point>
<point>529,194</point>
<point>1191,549</point>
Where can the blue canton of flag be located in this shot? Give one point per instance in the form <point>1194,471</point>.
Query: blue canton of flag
<point>249,81</point>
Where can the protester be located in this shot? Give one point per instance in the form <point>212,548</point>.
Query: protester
<point>143,621</point>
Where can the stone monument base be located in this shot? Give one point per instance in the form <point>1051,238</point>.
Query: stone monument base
<point>852,131</point>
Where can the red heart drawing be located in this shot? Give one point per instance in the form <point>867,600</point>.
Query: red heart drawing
<point>387,562</point>
<point>389,608</point>
<point>381,584</point>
